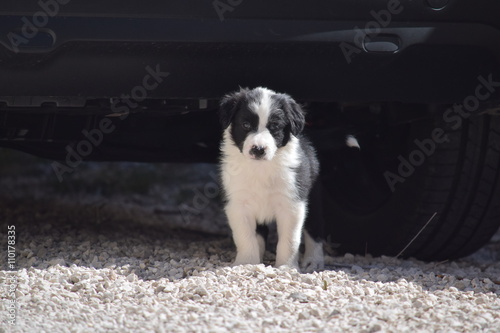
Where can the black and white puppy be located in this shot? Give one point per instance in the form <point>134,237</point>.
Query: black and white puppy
<point>268,170</point>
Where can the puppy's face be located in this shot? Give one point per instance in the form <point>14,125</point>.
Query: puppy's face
<point>261,121</point>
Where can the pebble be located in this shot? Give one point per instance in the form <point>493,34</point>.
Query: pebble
<point>302,298</point>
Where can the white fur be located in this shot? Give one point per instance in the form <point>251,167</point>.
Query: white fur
<point>352,142</point>
<point>313,256</point>
<point>263,137</point>
<point>263,191</point>
<point>263,107</point>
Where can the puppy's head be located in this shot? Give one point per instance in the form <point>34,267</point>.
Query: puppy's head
<point>260,121</point>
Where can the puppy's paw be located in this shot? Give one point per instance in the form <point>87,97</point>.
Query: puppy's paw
<point>288,267</point>
<point>241,263</point>
<point>312,264</point>
<point>246,260</point>
<point>314,259</point>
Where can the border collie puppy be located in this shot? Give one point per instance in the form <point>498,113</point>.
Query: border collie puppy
<point>268,171</point>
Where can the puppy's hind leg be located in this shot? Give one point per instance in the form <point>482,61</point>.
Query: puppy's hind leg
<point>314,258</point>
<point>314,226</point>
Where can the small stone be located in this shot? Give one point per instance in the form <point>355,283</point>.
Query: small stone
<point>201,291</point>
<point>284,308</point>
<point>308,280</point>
<point>303,315</point>
<point>299,297</point>
<point>74,278</point>
<point>349,256</point>
<point>315,313</point>
<point>334,313</point>
<point>76,287</point>
<point>417,303</point>
<point>481,300</point>
<point>58,261</point>
<point>357,269</point>
<point>382,277</point>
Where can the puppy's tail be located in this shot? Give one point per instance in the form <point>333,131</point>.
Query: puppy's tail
<point>352,142</point>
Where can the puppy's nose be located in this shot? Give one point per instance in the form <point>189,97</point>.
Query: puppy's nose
<point>257,151</point>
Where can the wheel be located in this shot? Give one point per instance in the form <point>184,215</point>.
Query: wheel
<point>427,188</point>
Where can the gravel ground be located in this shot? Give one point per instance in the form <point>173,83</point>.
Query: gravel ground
<point>94,255</point>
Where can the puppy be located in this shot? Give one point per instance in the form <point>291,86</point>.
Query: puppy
<point>269,172</point>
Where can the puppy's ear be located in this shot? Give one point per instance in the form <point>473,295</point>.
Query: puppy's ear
<point>228,106</point>
<point>293,112</point>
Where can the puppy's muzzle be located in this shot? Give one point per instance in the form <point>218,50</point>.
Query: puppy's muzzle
<point>257,152</point>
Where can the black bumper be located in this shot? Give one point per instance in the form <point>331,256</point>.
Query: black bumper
<point>330,52</point>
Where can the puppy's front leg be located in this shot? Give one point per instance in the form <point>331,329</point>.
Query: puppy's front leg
<point>244,236</point>
<point>289,223</point>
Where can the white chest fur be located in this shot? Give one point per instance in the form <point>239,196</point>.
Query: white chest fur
<point>260,188</point>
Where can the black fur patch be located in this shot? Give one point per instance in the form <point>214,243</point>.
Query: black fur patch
<point>292,112</point>
<point>234,109</point>
<point>286,116</point>
<point>308,170</point>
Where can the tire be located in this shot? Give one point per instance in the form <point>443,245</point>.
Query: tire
<point>458,180</point>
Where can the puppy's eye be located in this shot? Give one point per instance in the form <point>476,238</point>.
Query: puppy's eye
<point>246,126</point>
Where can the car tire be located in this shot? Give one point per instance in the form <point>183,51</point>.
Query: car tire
<point>375,205</point>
